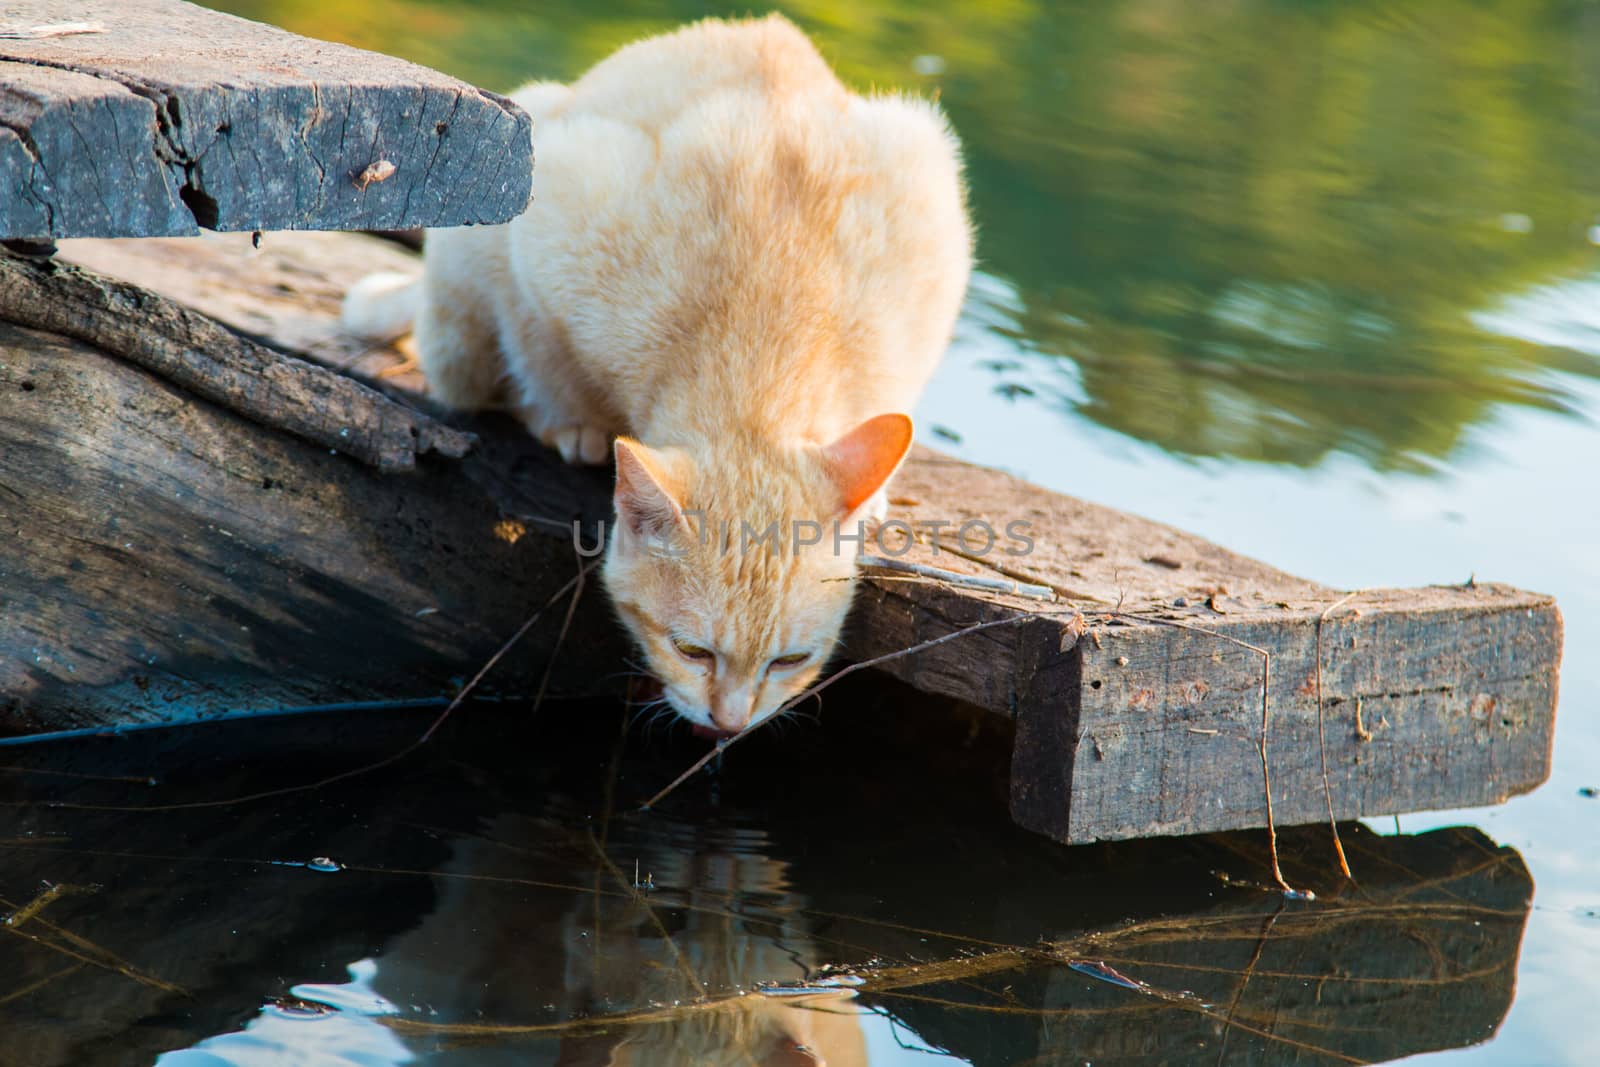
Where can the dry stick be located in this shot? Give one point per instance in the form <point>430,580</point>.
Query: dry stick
<point>575,581</point>
<point>1261,745</point>
<point>723,744</point>
<point>39,903</point>
<point>32,987</point>
<point>1322,739</point>
<point>566,624</point>
<point>1244,982</point>
<point>655,919</point>
<point>136,779</point>
<point>86,952</point>
<point>1007,586</point>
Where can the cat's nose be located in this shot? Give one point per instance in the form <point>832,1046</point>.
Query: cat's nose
<point>730,710</point>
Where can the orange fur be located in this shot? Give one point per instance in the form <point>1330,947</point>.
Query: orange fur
<point>740,265</point>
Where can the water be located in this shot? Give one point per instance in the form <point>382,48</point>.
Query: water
<point>499,899</point>
<point>1316,281</point>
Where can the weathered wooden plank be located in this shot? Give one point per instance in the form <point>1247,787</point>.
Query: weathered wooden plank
<point>1432,699</point>
<point>172,117</point>
<point>1140,723</point>
<point>163,558</point>
<point>196,353</point>
<point>1152,726</point>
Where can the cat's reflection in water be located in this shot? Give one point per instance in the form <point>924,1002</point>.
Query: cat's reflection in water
<point>755,1032</point>
<point>720,918</point>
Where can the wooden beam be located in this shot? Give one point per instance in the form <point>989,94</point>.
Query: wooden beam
<point>163,117</point>
<point>1136,695</point>
<point>1152,723</point>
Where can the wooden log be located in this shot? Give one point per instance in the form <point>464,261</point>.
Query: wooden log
<point>202,357</point>
<point>167,559</point>
<point>1136,696</point>
<point>165,117</point>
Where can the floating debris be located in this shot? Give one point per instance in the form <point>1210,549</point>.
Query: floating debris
<point>320,864</point>
<point>1106,973</point>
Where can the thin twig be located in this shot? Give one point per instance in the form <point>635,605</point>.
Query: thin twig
<point>421,740</point>
<point>1322,739</point>
<point>85,951</point>
<point>723,744</point>
<point>566,624</point>
<point>1261,743</point>
<point>39,903</point>
<point>639,897</point>
<point>1244,982</point>
<point>136,779</point>
<point>1008,586</point>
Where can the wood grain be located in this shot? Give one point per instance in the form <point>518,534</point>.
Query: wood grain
<point>176,117</point>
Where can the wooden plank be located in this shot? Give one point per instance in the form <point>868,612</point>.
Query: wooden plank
<point>205,358</point>
<point>165,557</point>
<point>1137,709</point>
<point>169,117</point>
<point>1152,725</point>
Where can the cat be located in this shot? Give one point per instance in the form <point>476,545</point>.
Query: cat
<point>735,278</point>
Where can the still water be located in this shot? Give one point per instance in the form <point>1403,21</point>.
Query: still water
<point>1320,282</point>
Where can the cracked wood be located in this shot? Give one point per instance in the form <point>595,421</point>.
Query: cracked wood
<point>176,117</point>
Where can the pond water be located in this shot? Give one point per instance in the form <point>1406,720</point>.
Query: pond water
<point>1320,282</point>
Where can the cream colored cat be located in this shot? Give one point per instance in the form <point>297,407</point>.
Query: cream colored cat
<point>743,275</point>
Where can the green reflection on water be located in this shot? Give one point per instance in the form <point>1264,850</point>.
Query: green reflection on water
<point>1255,229</point>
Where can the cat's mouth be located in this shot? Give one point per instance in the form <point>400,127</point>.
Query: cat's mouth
<point>650,689</point>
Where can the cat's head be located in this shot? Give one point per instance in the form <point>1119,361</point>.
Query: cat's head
<point>732,567</point>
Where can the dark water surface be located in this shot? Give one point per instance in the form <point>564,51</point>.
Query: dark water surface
<point>499,900</point>
<point>1319,281</point>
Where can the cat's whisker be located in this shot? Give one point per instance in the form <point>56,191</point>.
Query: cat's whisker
<point>801,697</point>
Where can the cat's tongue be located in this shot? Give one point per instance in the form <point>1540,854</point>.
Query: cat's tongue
<point>711,733</point>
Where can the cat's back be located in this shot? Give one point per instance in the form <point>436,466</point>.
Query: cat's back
<point>652,83</point>
<point>717,193</point>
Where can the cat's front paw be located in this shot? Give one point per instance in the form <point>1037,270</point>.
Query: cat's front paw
<point>580,444</point>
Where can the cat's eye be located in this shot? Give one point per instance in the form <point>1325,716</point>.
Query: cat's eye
<point>691,651</point>
<point>793,659</point>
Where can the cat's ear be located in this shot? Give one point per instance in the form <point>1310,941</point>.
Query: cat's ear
<point>646,493</point>
<point>864,459</point>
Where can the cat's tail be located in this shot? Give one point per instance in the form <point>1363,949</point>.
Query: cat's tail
<point>382,306</point>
